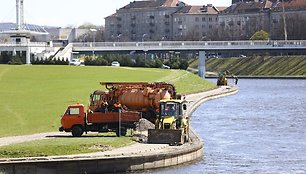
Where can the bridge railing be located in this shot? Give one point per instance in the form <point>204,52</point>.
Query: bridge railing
<point>192,43</point>
<point>32,44</point>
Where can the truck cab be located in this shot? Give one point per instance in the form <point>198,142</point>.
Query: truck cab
<point>73,119</point>
<point>77,121</point>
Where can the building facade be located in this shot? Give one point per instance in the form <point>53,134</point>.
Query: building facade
<point>241,20</point>
<point>142,20</point>
<point>174,20</point>
<point>161,20</point>
<point>195,22</point>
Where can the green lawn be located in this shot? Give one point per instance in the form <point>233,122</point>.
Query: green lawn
<point>65,146</point>
<point>32,98</point>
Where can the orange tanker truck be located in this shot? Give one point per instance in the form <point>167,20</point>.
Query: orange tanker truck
<point>135,99</point>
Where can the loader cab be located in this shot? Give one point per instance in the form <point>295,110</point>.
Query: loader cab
<point>176,108</point>
<point>171,115</point>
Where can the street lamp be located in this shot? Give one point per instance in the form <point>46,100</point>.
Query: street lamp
<point>284,20</point>
<point>143,36</point>
<point>203,38</point>
<point>118,37</point>
<point>93,30</point>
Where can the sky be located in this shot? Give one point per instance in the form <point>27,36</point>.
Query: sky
<point>74,13</point>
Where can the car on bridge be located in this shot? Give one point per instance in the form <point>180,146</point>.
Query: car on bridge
<point>165,66</point>
<point>115,63</point>
<point>76,62</point>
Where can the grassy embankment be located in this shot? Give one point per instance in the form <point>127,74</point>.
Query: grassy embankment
<point>32,98</point>
<point>258,66</point>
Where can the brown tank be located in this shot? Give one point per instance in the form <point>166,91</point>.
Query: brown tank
<point>140,96</point>
<point>138,99</point>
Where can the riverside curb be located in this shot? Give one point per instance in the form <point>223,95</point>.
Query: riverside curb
<point>157,156</point>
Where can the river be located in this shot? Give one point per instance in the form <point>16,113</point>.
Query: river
<point>261,129</point>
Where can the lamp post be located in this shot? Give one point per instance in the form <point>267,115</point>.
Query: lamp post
<point>118,37</point>
<point>93,30</point>
<point>143,37</point>
<point>145,51</point>
<point>284,20</point>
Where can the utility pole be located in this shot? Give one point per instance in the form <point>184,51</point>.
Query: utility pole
<point>284,20</point>
<point>19,14</point>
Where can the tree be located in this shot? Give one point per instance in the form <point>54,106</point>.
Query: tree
<point>260,35</point>
<point>87,25</point>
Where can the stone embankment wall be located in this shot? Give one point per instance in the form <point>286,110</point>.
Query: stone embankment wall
<point>154,157</point>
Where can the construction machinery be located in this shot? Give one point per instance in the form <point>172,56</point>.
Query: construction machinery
<point>157,102</point>
<point>172,125</point>
<point>142,97</point>
<point>222,78</point>
<point>136,98</point>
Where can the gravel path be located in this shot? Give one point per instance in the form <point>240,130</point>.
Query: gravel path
<point>25,138</point>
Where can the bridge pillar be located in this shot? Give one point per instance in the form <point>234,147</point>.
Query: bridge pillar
<point>28,55</point>
<point>201,65</point>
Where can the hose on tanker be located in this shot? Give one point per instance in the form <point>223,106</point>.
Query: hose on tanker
<point>109,86</point>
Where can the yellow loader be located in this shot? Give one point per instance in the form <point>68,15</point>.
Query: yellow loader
<point>172,124</point>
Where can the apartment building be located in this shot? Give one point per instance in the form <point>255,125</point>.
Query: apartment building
<point>241,20</point>
<point>152,20</point>
<point>142,20</point>
<point>195,22</point>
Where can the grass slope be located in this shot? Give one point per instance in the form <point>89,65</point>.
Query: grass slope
<point>32,98</point>
<point>259,66</point>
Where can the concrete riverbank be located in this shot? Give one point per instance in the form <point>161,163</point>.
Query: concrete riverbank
<point>139,156</point>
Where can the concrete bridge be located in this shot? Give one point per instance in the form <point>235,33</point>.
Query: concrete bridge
<point>199,46</point>
<point>159,46</point>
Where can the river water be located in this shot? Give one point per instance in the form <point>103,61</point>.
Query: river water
<point>261,129</point>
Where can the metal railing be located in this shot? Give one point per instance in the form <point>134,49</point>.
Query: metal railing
<point>192,44</point>
<point>31,44</point>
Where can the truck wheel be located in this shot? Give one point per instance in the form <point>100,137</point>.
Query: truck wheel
<point>123,132</point>
<point>77,131</point>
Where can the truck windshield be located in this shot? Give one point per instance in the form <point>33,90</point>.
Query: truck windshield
<point>73,111</point>
<point>168,109</point>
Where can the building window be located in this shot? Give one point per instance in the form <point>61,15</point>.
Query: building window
<point>210,19</point>
<point>203,19</point>
<point>197,19</point>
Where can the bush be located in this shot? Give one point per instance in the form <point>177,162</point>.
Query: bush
<point>50,61</point>
<point>16,60</point>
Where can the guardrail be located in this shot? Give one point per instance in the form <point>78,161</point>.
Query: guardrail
<point>31,44</point>
<point>194,45</point>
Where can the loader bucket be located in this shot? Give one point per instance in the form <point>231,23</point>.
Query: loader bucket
<point>165,136</point>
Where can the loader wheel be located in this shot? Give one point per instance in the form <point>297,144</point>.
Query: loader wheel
<point>123,132</point>
<point>77,131</point>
